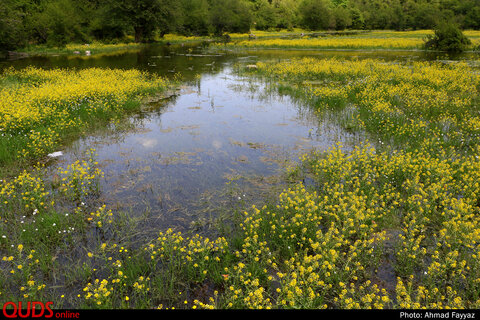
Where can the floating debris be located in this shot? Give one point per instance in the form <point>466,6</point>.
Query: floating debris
<point>55,154</point>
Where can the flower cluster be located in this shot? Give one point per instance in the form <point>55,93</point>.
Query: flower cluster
<point>40,107</point>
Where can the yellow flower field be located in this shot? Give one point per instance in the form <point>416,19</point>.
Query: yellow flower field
<point>36,105</point>
<point>335,43</point>
<point>389,40</point>
<point>410,207</point>
<point>426,104</point>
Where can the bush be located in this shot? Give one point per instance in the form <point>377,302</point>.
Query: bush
<point>229,16</point>
<point>12,33</point>
<point>316,15</point>
<point>447,37</point>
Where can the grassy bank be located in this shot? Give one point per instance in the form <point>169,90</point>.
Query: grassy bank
<point>97,47</point>
<point>384,40</point>
<point>78,48</point>
<point>40,110</point>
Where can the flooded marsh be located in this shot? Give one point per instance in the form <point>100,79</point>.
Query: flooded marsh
<point>193,176</point>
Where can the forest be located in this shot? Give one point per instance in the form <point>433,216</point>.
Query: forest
<point>58,22</point>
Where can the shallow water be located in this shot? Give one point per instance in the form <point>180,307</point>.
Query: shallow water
<point>217,146</point>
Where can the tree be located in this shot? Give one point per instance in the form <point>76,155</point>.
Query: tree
<point>286,13</point>
<point>316,15</point>
<point>358,21</point>
<point>342,17</point>
<point>427,15</point>
<point>229,16</point>
<point>472,18</point>
<point>195,18</point>
<point>447,37</point>
<point>102,26</point>
<point>264,15</point>
<point>145,16</point>
<point>56,23</point>
<point>12,33</point>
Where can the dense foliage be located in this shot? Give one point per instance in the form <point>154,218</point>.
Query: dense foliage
<point>447,37</point>
<point>56,22</point>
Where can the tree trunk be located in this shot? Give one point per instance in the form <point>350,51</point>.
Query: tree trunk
<point>138,34</point>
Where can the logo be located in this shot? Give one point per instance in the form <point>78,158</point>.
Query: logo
<point>33,309</point>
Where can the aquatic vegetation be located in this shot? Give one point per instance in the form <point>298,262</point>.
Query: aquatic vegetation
<point>411,205</point>
<point>99,47</point>
<point>80,179</point>
<point>268,34</point>
<point>34,229</point>
<point>172,38</point>
<point>431,105</point>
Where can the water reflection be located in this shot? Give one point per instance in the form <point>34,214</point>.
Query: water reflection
<point>216,145</point>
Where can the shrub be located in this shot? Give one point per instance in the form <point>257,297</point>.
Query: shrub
<point>447,37</point>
